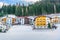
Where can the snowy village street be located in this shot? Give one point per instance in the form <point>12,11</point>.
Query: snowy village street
<point>23,32</point>
<point>29,19</point>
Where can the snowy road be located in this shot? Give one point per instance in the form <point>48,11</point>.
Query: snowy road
<point>23,32</point>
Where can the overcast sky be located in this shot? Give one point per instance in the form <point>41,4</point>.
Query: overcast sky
<point>7,2</point>
<point>20,1</point>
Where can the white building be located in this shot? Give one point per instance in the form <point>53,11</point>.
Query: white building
<point>31,19</point>
<point>7,18</point>
<point>20,20</point>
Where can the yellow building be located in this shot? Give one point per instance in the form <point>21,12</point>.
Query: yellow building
<point>55,19</point>
<point>4,20</point>
<point>13,20</point>
<point>41,21</point>
<point>9,17</point>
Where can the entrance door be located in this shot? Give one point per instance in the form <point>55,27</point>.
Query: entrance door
<point>26,20</point>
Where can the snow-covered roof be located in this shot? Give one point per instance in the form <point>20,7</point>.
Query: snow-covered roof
<point>12,16</point>
<point>53,15</point>
<point>20,17</point>
<point>32,17</point>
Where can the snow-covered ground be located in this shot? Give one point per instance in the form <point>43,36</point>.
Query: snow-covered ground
<point>23,32</point>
